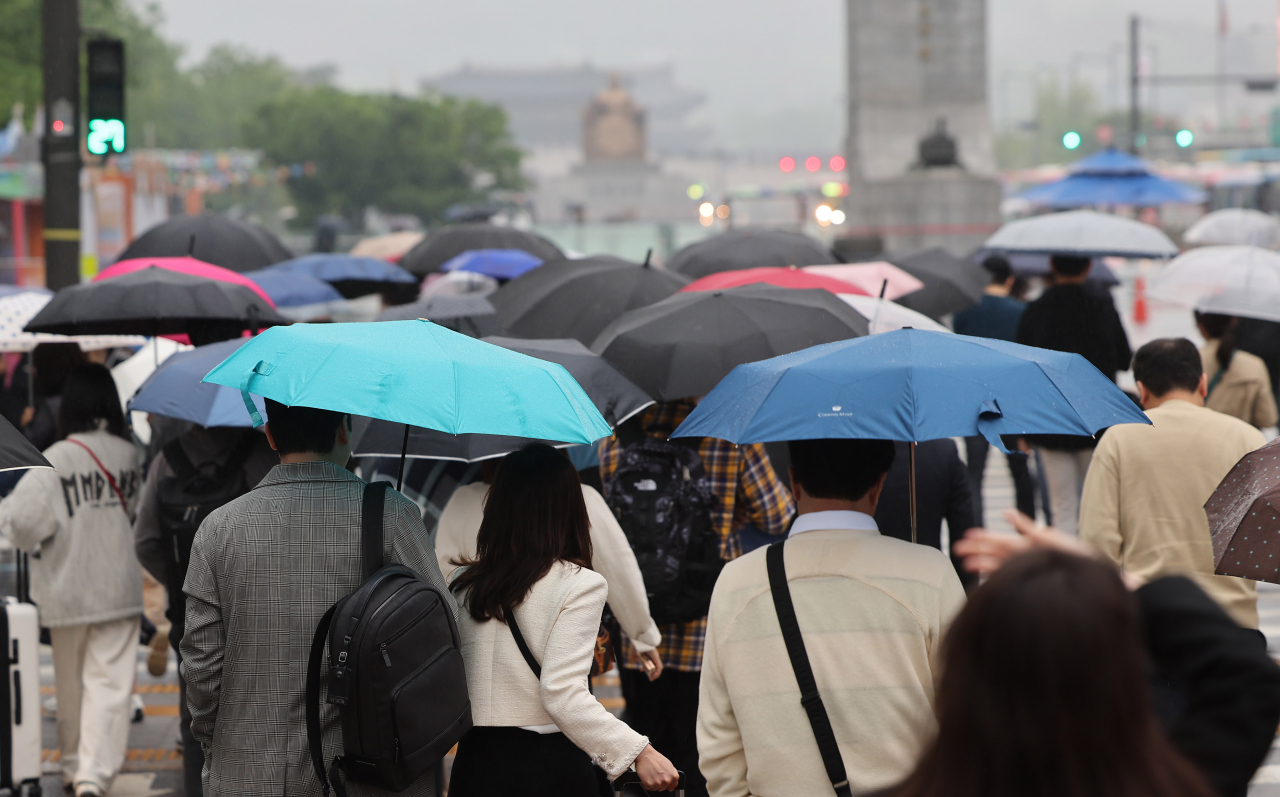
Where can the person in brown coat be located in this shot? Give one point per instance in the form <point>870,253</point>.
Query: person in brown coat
<point>1239,382</point>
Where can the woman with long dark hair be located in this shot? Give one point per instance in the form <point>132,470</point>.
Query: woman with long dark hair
<point>86,578</point>
<point>538,729</point>
<point>1239,383</point>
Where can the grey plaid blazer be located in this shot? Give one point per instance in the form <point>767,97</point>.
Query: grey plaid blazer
<point>264,568</point>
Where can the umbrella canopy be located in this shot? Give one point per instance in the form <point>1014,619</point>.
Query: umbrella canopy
<point>911,385</point>
<point>416,373</point>
<point>950,283</point>
<point>17,310</point>
<point>685,344</point>
<point>293,289</point>
<point>501,264</point>
<point>1243,517</point>
<point>1237,280</point>
<point>183,265</point>
<point>1037,265</point>
<point>351,276</point>
<point>16,451</point>
<point>391,246</point>
<point>471,315</point>
<point>1111,177</point>
<point>614,396</point>
<point>789,277</point>
<point>219,239</point>
<point>10,290</point>
<point>152,301</point>
<point>886,316</point>
<point>1082,232</point>
<point>871,277</point>
<point>739,249</point>
<point>579,298</point>
<point>1240,226</point>
<point>130,374</point>
<point>174,389</point>
<point>449,242</point>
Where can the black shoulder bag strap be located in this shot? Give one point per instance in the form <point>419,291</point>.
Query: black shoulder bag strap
<point>524,648</point>
<point>371,562</point>
<point>809,697</point>
<point>178,461</point>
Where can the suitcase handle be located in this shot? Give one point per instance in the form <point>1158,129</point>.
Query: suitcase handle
<point>631,779</point>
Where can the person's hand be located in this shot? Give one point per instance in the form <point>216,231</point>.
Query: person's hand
<point>655,771</point>
<point>652,657</point>
<point>27,414</point>
<point>985,551</point>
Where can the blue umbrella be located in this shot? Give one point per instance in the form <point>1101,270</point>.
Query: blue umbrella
<point>502,264</point>
<point>416,373</point>
<point>1111,177</point>
<point>293,288</point>
<point>353,276</point>
<point>174,389</point>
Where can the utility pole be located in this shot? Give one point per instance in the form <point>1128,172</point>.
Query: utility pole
<point>60,24</point>
<point>1135,118</point>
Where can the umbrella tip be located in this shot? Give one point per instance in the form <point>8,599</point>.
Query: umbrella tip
<point>191,246</point>
<point>647,256</point>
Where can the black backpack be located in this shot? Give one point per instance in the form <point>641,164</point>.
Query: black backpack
<point>663,500</point>
<point>395,672</point>
<point>185,500</point>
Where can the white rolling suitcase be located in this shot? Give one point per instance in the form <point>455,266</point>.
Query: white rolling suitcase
<point>20,700</point>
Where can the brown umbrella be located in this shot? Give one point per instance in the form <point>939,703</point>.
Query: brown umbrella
<point>1244,517</point>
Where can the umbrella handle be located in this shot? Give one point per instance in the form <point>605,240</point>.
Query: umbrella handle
<point>911,456</point>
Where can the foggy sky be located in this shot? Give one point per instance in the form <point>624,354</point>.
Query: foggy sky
<point>773,71</point>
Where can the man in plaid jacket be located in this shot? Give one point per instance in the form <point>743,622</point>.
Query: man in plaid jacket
<point>264,568</point>
<point>747,491</point>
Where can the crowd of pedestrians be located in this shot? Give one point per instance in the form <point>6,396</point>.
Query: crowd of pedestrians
<point>1100,656</point>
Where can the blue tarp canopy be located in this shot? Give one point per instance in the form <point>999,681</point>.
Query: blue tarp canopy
<point>1112,177</point>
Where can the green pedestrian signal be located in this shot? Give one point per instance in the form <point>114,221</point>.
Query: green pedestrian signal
<point>106,128</point>
<point>1071,139</point>
<point>1183,138</point>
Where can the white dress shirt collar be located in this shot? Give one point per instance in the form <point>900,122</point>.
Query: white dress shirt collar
<point>835,519</point>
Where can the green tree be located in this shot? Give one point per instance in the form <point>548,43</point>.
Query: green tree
<point>19,56</point>
<point>405,155</point>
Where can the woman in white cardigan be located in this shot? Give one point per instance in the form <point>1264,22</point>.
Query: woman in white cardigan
<point>538,734</point>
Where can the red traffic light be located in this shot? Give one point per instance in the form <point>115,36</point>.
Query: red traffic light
<point>787,164</point>
<point>836,163</point>
<point>813,163</point>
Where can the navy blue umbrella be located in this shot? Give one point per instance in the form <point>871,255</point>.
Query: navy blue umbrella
<point>1111,177</point>
<point>351,276</point>
<point>293,288</point>
<point>174,389</point>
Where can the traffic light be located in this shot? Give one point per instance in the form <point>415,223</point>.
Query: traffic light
<point>106,130</point>
<point>1184,138</point>
<point>1071,139</point>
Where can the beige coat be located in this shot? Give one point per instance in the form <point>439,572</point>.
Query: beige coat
<point>1244,391</point>
<point>460,523</point>
<point>1144,496</point>
<point>873,611</point>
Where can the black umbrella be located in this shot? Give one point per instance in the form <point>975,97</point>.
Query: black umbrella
<point>448,242</point>
<point>219,239</point>
<point>469,314</point>
<point>739,249</point>
<point>579,298</point>
<point>950,283</point>
<point>153,301</point>
<point>16,451</point>
<point>615,397</point>
<point>684,345</point>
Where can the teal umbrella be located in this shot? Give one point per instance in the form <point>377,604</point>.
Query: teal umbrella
<point>416,373</point>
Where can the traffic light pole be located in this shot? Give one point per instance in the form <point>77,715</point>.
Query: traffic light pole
<point>1135,117</point>
<point>60,23</point>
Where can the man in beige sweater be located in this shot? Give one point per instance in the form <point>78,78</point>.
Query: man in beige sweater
<point>872,611</point>
<point>1144,496</point>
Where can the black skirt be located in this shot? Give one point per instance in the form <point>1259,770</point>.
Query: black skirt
<point>506,762</point>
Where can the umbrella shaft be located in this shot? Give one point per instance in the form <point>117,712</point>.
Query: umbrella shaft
<point>911,459</point>
<point>404,453</point>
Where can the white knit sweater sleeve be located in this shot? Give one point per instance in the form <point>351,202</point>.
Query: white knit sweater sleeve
<point>613,558</point>
<point>566,662</point>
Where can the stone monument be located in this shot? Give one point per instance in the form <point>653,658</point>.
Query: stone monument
<point>613,126</point>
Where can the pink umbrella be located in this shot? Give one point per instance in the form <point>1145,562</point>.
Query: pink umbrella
<point>183,265</point>
<point>871,276</point>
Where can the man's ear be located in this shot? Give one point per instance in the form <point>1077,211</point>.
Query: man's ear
<point>1202,389</point>
<point>266,428</point>
<point>796,489</point>
<point>344,431</point>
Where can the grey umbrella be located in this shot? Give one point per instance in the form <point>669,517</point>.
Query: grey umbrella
<point>950,283</point>
<point>442,245</point>
<point>212,237</point>
<point>750,248</point>
<point>469,314</point>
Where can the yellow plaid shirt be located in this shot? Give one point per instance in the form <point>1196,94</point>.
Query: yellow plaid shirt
<point>748,491</point>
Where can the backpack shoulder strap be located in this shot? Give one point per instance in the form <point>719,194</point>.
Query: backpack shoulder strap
<point>375,494</point>
<point>524,648</point>
<point>809,697</point>
<point>315,739</point>
<point>176,457</point>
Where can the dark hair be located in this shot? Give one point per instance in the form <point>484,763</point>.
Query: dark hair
<point>534,516</point>
<point>53,362</point>
<point>1168,363</point>
<point>1044,692</point>
<point>844,469</point>
<point>90,401</point>
<point>1219,327</point>
<point>1019,288</point>
<point>999,269</point>
<point>1069,265</point>
<point>304,430</point>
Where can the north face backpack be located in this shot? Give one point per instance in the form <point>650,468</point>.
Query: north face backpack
<point>395,672</point>
<point>663,500</point>
<point>185,499</point>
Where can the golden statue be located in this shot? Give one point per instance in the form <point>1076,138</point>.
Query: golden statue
<point>613,126</point>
